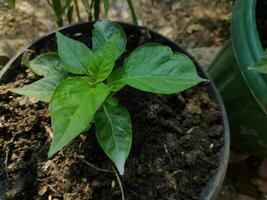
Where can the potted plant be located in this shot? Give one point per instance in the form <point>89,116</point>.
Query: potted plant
<point>123,95</point>
<point>242,89</point>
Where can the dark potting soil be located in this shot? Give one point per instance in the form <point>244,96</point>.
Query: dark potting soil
<point>261,16</point>
<point>176,141</point>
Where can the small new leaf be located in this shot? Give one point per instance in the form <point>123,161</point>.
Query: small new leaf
<point>154,68</point>
<point>72,108</point>
<point>103,61</point>
<point>42,89</point>
<point>74,55</point>
<point>106,31</point>
<point>261,65</point>
<point>114,133</point>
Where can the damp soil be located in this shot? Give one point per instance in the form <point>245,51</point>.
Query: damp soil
<point>176,142</point>
<point>261,16</point>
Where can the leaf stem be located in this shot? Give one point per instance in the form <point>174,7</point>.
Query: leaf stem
<point>120,184</point>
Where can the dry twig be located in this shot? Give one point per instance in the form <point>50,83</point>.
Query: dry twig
<point>6,163</point>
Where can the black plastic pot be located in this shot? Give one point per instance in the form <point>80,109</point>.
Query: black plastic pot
<point>211,190</point>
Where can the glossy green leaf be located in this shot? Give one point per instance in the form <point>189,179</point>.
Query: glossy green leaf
<point>154,68</point>
<point>106,31</point>
<point>103,61</point>
<point>114,133</point>
<point>261,65</point>
<point>72,108</point>
<point>74,55</point>
<point>45,64</point>
<point>42,89</point>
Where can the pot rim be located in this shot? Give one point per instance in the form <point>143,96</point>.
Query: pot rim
<point>211,190</point>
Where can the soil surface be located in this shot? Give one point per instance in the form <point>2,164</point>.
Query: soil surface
<point>176,139</point>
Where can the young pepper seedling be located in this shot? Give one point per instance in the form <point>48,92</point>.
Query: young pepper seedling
<point>79,84</point>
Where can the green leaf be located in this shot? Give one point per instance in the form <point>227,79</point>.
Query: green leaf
<point>106,7</point>
<point>261,65</point>
<point>106,31</point>
<point>154,68</point>
<point>74,55</point>
<point>44,64</point>
<point>42,89</point>
<point>103,61</point>
<point>112,101</point>
<point>114,80</point>
<point>114,133</point>
<point>72,108</point>
<point>12,3</point>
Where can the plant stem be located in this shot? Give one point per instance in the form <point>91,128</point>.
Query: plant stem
<point>130,4</point>
<point>77,10</point>
<point>70,14</point>
<point>120,184</point>
<point>90,17</point>
<point>49,3</point>
<point>96,9</point>
<point>57,7</point>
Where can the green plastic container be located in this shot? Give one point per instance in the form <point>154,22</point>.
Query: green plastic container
<point>244,91</point>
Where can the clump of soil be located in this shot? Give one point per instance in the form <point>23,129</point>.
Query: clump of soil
<point>261,16</point>
<point>176,141</point>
